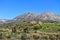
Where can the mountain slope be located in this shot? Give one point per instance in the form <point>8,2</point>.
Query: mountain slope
<point>49,17</point>
<point>44,17</point>
<point>26,17</point>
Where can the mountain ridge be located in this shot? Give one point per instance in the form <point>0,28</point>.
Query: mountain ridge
<point>45,16</point>
<point>30,16</point>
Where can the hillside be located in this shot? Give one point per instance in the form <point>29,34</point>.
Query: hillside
<point>31,26</point>
<point>44,17</point>
<point>30,16</point>
<point>27,31</point>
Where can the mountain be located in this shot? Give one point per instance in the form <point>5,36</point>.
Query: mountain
<point>48,17</point>
<point>30,16</point>
<point>26,17</point>
<point>44,17</point>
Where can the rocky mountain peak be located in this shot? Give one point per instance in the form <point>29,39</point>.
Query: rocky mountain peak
<point>44,17</point>
<point>48,13</point>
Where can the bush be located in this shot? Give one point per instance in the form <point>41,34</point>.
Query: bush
<point>36,27</point>
<point>24,36</point>
<point>1,36</point>
<point>52,37</point>
<point>36,37</point>
<point>14,29</point>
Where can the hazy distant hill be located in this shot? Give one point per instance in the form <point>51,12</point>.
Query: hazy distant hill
<point>3,20</point>
<point>45,17</point>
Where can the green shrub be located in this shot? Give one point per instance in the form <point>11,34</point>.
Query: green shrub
<point>36,37</point>
<point>1,35</point>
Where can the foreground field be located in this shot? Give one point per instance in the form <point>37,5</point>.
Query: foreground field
<point>28,31</point>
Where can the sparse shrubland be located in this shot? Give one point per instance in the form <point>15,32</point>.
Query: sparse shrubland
<point>28,31</point>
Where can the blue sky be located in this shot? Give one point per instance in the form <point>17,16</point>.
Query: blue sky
<point>12,8</point>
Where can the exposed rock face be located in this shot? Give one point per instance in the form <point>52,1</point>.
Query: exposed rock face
<point>26,17</point>
<point>49,17</point>
<point>45,17</point>
<point>29,16</point>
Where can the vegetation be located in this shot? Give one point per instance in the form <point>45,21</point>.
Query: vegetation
<point>27,31</point>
